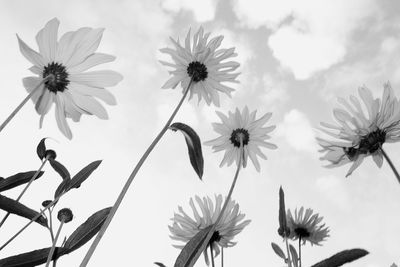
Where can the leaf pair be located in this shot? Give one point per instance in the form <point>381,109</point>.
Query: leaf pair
<point>77,239</point>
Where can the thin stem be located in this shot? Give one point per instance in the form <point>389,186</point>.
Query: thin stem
<point>222,256</point>
<point>31,221</point>
<point>288,252</point>
<point>212,257</point>
<point>9,118</point>
<point>53,247</point>
<point>51,225</point>
<point>299,251</point>
<point>390,164</point>
<point>26,188</point>
<point>129,181</point>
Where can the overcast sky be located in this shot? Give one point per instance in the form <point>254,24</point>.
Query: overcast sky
<point>296,58</point>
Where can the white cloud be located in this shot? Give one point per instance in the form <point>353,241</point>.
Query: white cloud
<point>275,92</point>
<point>296,129</point>
<point>308,35</point>
<point>202,10</point>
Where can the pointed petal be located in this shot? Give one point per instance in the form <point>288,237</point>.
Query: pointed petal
<point>100,93</point>
<point>100,78</point>
<point>60,117</point>
<point>34,57</point>
<point>91,61</point>
<point>47,40</point>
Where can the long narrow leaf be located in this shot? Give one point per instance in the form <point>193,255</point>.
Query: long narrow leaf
<point>193,249</point>
<point>18,179</point>
<point>19,209</point>
<point>342,257</point>
<point>41,149</point>
<point>32,258</point>
<point>87,230</point>
<point>60,169</point>
<point>82,175</point>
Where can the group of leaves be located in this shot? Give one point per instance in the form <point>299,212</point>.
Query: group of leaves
<point>336,260</point>
<point>78,238</point>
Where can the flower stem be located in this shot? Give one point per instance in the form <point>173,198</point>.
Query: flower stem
<point>50,256</point>
<point>390,164</point>
<point>51,225</point>
<point>9,118</point>
<point>299,251</point>
<point>129,181</point>
<point>212,257</point>
<point>31,221</point>
<point>222,256</point>
<point>26,188</point>
<point>288,252</point>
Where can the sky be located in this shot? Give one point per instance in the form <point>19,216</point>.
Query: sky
<point>296,58</point>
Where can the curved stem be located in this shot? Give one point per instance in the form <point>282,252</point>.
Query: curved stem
<point>390,164</point>
<point>299,251</point>
<point>50,256</point>
<point>212,257</point>
<point>26,188</point>
<point>9,118</point>
<point>129,181</point>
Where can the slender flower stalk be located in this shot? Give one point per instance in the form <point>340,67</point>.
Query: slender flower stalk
<point>26,187</point>
<point>222,257</point>
<point>129,181</point>
<point>50,256</point>
<point>212,257</point>
<point>390,164</point>
<point>18,108</point>
<point>288,252</point>
<point>299,251</point>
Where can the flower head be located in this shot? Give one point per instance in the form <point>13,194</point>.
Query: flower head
<point>64,63</point>
<point>306,226</point>
<point>358,134</point>
<point>200,61</point>
<point>185,228</point>
<point>242,128</point>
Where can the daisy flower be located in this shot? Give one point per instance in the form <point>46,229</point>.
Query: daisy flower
<point>185,228</point>
<point>306,226</point>
<point>363,126</point>
<point>64,63</point>
<point>242,127</point>
<point>201,62</point>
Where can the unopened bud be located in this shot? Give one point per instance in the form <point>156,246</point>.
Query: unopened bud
<point>50,154</point>
<point>65,215</point>
<point>46,203</point>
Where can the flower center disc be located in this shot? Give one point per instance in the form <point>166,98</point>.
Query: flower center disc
<point>239,134</point>
<point>59,80</point>
<point>302,232</point>
<point>372,142</point>
<point>216,237</point>
<point>197,71</point>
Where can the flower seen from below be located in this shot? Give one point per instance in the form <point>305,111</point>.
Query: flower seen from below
<point>306,226</point>
<point>363,127</point>
<point>242,127</point>
<point>202,61</point>
<point>185,227</point>
<point>65,62</point>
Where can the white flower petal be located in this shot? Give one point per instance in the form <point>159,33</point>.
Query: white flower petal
<point>60,116</point>
<point>90,105</point>
<point>30,84</point>
<point>47,40</point>
<point>31,55</point>
<point>100,93</point>
<point>91,61</point>
<point>100,78</point>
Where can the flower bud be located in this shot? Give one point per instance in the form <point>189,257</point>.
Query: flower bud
<point>65,215</point>
<point>46,203</point>
<point>50,154</point>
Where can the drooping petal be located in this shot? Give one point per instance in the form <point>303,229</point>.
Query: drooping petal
<point>60,116</point>
<point>90,105</point>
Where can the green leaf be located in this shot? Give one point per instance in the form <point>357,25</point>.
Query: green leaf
<point>60,169</point>
<point>82,175</point>
<point>194,146</point>
<point>283,230</point>
<point>295,257</point>
<point>278,251</point>
<point>87,230</point>
<point>193,249</point>
<point>41,149</point>
<point>19,209</point>
<point>160,264</point>
<point>342,257</point>
<point>32,258</point>
<point>18,179</point>
<point>62,187</point>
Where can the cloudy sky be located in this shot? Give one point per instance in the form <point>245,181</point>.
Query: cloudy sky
<point>296,58</point>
